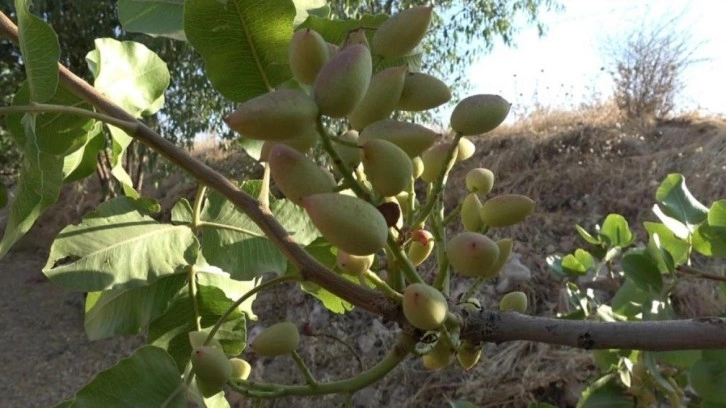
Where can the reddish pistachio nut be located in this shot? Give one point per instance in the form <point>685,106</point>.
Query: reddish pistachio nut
<point>381,98</point>
<point>412,138</point>
<point>296,175</point>
<point>308,52</point>
<point>422,243</point>
<point>387,167</point>
<point>343,81</point>
<point>279,115</point>
<point>472,254</point>
<point>424,306</point>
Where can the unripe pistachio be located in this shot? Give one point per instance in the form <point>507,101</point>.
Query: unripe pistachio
<point>424,306</point>
<point>472,254</point>
<point>468,355</point>
<point>479,180</point>
<point>279,115</point>
<point>197,339</point>
<point>465,149</point>
<point>241,369</point>
<point>296,175</point>
<point>307,54</point>
<point>349,223</point>
<point>479,114</point>
<point>505,210</point>
<point>276,340</point>
<point>403,202</point>
<point>380,99</point>
<point>422,92</point>
<point>422,243</point>
<point>412,138</point>
<point>434,161</point>
<point>401,33</point>
<point>302,144</point>
<point>356,37</point>
<point>505,249</point>
<point>342,82</point>
<point>470,213</point>
<point>387,166</point>
<point>351,156</point>
<point>514,302</point>
<point>211,366</point>
<point>440,357</point>
<point>354,264</point>
<point>332,49</point>
<point>418,167</point>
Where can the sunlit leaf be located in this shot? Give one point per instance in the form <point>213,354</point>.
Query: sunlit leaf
<point>586,236</point>
<point>616,230</point>
<point>676,201</point>
<point>717,214</point>
<point>118,246</point>
<point>710,241</point>
<point>153,17</point>
<point>304,8</point>
<point>243,43</point>
<point>629,300</point>
<point>676,247</point>
<point>39,46</point>
<point>642,270</point>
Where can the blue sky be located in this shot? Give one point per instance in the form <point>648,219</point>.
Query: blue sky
<point>562,69</point>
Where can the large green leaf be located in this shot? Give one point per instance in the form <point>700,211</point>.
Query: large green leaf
<point>676,247</point>
<point>135,78</point>
<point>39,46</point>
<point>642,270</point>
<point>605,392</point>
<point>170,331</point>
<point>676,201</point>
<point>616,230</point>
<point>717,214</point>
<point>82,163</point>
<point>629,300</point>
<point>148,378</point>
<point>117,247</point>
<point>129,311</point>
<point>38,188</point>
<point>710,241</point>
<point>708,379</point>
<point>153,17</point>
<point>248,254</point>
<point>243,43</point>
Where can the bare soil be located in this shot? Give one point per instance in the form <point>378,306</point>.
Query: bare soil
<point>578,167</point>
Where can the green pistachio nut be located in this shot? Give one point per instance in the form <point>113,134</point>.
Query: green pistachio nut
<point>513,302</point>
<point>412,138</point>
<point>506,209</point>
<point>422,244</point>
<point>424,306</point>
<point>296,175</point>
<point>470,213</point>
<point>505,249</point>
<point>465,149</point>
<point>479,180</point>
<point>434,160</point>
<point>479,114</point>
<point>357,37</point>
<point>402,32</point>
<point>343,81</point>
<point>241,369</point>
<point>472,254</point>
<point>387,167</point>
<point>276,340</point>
<point>422,92</point>
<point>349,223</point>
<point>277,116</point>
<point>468,355</point>
<point>440,357</point>
<point>211,366</point>
<point>418,166</point>
<point>355,265</point>
<point>307,54</point>
<point>380,99</point>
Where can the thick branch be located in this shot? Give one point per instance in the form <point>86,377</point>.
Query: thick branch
<point>690,334</point>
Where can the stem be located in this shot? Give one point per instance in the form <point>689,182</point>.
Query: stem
<point>394,357</point>
<point>406,267</point>
<point>472,289</point>
<point>270,283</point>
<point>440,183</point>
<point>453,214</point>
<point>264,196</point>
<point>382,285</point>
<point>193,294</point>
<point>127,126</point>
<point>443,277</point>
<point>687,270</point>
<point>304,369</point>
<point>340,165</point>
<point>197,210</point>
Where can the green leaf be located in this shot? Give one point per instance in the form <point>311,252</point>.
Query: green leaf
<point>170,330</point>
<point>682,359</point>
<point>605,392</point>
<point>642,270</point>
<point>243,43</point>
<point>234,289</point>
<point>587,237</point>
<point>3,196</point>
<point>153,17</point>
<point>578,263</point>
<point>710,241</point>
<point>676,201</point>
<point>252,147</point>
<point>118,246</point>
<point>82,163</point>
<point>182,212</point>
<point>629,300</point>
<point>133,77</point>
<point>676,247</point>
<point>39,46</point>
<point>717,214</point>
<point>249,254</point>
<point>555,264</point>
<point>616,230</point>
<point>305,8</point>
<point>38,188</point>
<point>708,379</point>
<point>146,379</point>
<point>129,311</point>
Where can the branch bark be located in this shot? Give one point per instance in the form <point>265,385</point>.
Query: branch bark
<point>704,333</point>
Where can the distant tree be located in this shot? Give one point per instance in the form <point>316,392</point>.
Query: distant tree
<point>647,67</point>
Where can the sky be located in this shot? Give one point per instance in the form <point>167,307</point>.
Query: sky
<point>562,69</point>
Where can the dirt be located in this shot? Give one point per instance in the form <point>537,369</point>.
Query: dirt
<point>578,169</point>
